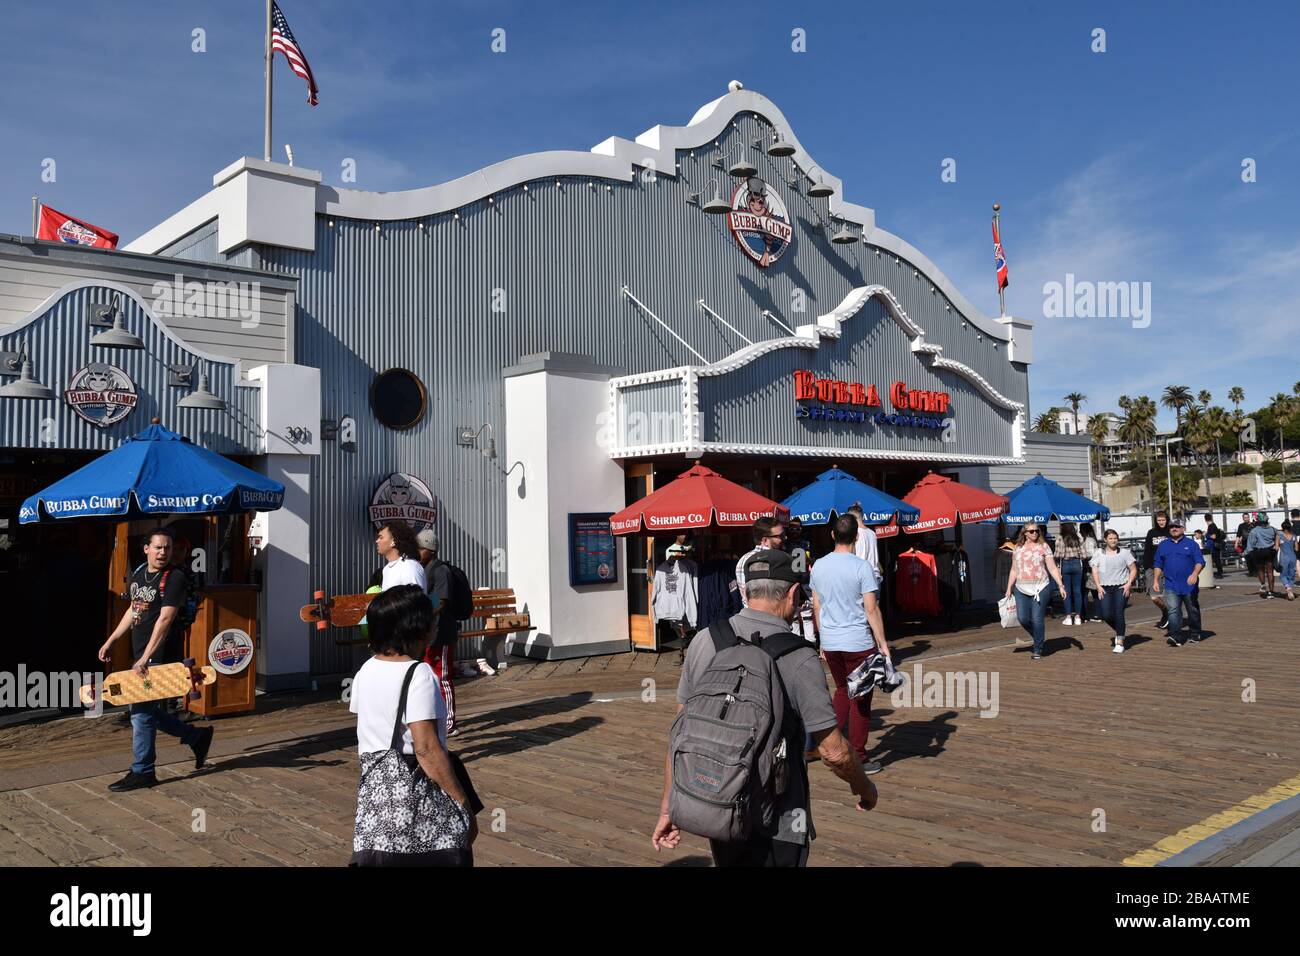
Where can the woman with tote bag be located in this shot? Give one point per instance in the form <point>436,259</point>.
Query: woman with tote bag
<point>1031,577</point>
<point>415,806</point>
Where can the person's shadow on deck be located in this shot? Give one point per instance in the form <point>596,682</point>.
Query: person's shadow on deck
<point>477,739</point>
<point>1051,645</point>
<point>548,706</point>
<point>911,650</point>
<point>296,754</point>
<point>915,738</point>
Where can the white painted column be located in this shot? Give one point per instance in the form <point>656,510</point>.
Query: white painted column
<point>283,654</point>
<point>290,417</point>
<point>554,413</point>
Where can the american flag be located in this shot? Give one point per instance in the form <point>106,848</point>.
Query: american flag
<point>999,257</point>
<point>282,39</point>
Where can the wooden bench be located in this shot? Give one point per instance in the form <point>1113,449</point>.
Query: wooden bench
<point>497,609</point>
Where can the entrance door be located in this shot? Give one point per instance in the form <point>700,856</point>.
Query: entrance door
<point>51,582</point>
<point>638,483</point>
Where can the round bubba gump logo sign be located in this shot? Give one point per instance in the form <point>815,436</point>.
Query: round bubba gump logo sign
<point>230,651</point>
<point>102,394</point>
<point>759,221</point>
<point>405,498</point>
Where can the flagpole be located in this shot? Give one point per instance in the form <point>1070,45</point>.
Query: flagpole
<point>35,206</point>
<point>267,63</point>
<point>1002,293</point>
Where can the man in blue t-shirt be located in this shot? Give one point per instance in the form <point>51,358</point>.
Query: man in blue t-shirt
<point>1179,562</point>
<point>847,615</point>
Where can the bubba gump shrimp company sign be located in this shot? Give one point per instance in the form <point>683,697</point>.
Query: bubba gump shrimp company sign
<point>405,498</point>
<point>102,394</point>
<point>914,407</point>
<point>759,221</point>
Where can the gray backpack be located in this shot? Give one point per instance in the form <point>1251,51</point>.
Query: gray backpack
<point>736,740</point>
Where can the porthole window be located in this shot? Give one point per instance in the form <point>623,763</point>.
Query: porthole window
<point>398,399</point>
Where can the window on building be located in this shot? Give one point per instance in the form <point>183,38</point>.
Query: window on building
<point>398,399</point>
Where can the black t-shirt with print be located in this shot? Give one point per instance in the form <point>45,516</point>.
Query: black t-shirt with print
<point>1155,535</point>
<point>150,592</point>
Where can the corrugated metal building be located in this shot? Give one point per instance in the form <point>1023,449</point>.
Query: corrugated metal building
<point>579,320</point>
<point>197,325</point>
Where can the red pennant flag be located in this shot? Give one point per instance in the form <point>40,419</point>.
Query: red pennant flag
<point>60,227</point>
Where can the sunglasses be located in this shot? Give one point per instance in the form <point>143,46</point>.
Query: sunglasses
<point>1031,531</point>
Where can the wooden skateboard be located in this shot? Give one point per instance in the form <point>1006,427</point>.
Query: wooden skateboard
<point>162,681</point>
<point>342,610</point>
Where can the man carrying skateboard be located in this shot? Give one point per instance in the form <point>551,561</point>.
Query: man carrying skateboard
<point>157,591</point>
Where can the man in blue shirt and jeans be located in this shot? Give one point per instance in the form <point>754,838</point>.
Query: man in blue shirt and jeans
<point>1179,560</point>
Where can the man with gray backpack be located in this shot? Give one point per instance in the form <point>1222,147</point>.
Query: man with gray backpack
<point>735,771</point>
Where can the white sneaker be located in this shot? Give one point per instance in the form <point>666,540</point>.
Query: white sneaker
<point>1068,620</point>
<point>486,669</point>
<point>1078,621</point>
<point>1119,645</point>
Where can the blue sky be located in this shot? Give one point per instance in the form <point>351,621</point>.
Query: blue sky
<point>1122,166</point>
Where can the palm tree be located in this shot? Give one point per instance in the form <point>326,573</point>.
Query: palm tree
<point>1138,429</point>
<point>1237,396</point>
<point>1046,422</point>
<point>1177,397</point>
<point>1240,498</point>
<point>1201,439</point>
<point>1099,431</point>
<point>1076,399</point>
<point>1283,408</point>
<point>1218,422</point>
<point>1099,427</point>
<point>1238,426</point>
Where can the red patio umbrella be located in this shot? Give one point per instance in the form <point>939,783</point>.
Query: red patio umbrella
<point>944,503</point>
<point>697,499</point>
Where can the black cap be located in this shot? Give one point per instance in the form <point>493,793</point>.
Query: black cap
<point>773,565</point>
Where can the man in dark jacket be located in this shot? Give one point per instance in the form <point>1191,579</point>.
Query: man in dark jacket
<point>1243,532</point>
<point>1214,534</point>
<point>1158,532</point>
<point>440,653</point>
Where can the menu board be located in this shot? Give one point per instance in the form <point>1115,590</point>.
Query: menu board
<point>592,555</point>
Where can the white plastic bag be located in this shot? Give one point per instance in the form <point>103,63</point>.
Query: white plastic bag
<point>1007,612</point>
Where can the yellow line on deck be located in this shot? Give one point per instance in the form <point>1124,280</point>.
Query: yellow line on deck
<point>1208,827</point>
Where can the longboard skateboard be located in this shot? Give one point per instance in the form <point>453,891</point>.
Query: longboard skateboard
<point>342,610</point>
<point>162,681</point>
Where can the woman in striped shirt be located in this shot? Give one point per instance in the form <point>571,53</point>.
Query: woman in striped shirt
<point>1069,555</point>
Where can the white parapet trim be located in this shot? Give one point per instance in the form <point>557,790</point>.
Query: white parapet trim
<point>276,204</point>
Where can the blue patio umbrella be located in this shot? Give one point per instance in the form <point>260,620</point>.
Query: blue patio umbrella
<point>1040,499</point>
<point>834,491</point>
<point>154,472</point>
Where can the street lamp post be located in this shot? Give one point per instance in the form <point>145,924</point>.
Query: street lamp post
<point>1169,478</point>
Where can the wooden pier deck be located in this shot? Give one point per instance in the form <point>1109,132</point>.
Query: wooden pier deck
<point>1092,759</point>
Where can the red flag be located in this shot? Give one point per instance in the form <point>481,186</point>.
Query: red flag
<point>999,257</point>
<point>60,227</point>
